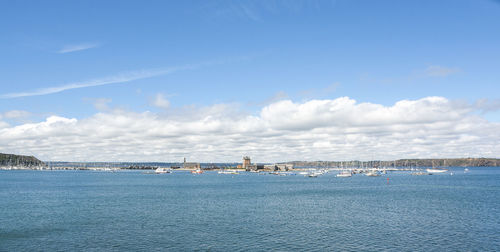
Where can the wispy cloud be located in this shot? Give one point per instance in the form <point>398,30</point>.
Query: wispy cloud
<point>431,71</point>
<point>260,10</point>
<point>487,105</point>
<point>78,47</point>
<point>439,71</point>
<point>15,114</point>
<point>119,78</point>
<point>160,101</point>
<point>100,104</point>
<point>319,92</point>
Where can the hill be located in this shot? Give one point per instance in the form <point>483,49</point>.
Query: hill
<point>19,160</point>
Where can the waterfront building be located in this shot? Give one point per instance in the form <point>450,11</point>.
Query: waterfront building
<point>285,167</point>
<point>270,167</point>
<point>191,165</point>
<point>278,167</point>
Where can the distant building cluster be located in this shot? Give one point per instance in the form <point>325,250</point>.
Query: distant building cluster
<point>279,167</point>
<point>191,165</point>
<point>247,165</point>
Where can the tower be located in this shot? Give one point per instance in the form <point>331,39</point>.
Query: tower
<point>246,162</point>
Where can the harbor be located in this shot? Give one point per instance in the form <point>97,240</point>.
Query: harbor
<point>343,169</point>
<point>74,209</point>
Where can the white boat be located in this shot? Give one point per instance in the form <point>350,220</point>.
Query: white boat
<point>344,174</point>
<point>372,174</point>
<point>435,170</point>
<point>228,172</point>
<point>161,170</point>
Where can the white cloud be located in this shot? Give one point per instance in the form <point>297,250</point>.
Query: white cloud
<point>160,101</point>
<point>78,47</point>
<point>337,129</point>
<point>4,124</point>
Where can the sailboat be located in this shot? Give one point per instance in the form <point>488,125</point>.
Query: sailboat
<point>228,172</point>
<point>436,170</point>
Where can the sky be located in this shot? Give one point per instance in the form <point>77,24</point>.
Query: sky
<point>213,81</point>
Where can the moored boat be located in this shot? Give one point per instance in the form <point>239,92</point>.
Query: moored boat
<point>372,174</point>
<point>436,170</point>
<point>162,170</point>
<point>344,174</point>
<point>228,172</point>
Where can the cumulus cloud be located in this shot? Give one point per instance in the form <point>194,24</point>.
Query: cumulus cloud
<point>4,124</point>
<point>337,129</point>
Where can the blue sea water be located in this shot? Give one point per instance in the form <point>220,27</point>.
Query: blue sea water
<point>132,211</point>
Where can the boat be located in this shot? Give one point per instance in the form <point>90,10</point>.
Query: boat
<point>313,175</point>
<point>344,174</point>
<point>197,171</point>
<point>162,170</point>
<point>372,174</point>
<point>228,172</point>
<point>436,170</point>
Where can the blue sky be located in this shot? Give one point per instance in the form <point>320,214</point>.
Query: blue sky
<point>244,53</point>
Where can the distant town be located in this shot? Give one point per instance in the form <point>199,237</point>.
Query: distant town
<point>12,162</point>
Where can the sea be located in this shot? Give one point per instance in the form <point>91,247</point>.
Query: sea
<point>133,211</point>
